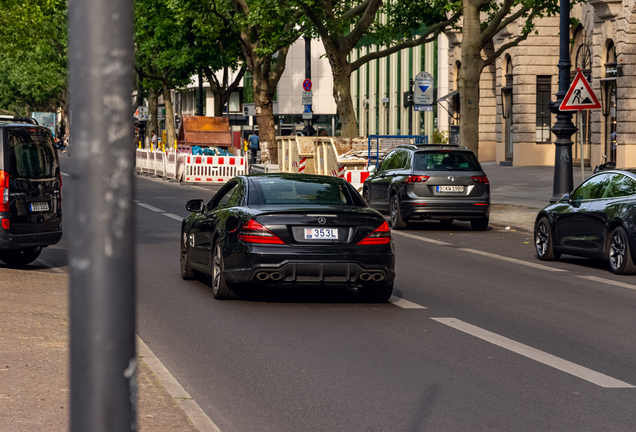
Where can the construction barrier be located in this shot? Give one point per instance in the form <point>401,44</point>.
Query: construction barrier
<point>212,169</point>
<point>357,178</point>
<point>291,150</point>
<point>172,161</point>
<point>159,163</point>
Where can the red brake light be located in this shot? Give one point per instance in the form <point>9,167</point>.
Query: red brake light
<point>4,191</point>
<point>382,235</point>
<point>416,179</point>
<point>481,179</point>
<point>254,232</point>
<point>5,224</point>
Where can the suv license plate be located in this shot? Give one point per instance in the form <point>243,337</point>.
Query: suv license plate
<point>39,206</point>
<point>321,233</point>
<point>450,188</point>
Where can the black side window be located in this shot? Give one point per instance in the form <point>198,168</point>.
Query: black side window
<point>400,160</point>
<point>222,198</point>
<point>592,188</point>
<point>619,185</point>
<point>388,161</point>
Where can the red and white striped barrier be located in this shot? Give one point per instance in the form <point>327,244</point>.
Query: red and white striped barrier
<point>301,165</point>
<point>213,169</point>
<point>341,171</point>
<point>357,178</point>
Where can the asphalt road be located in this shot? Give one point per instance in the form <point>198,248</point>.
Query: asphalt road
<point>488,339</point>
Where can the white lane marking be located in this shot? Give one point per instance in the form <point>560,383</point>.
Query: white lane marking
<point>149,207</point>
<point>137,201</point>
<point>534,354</point>
<point>404,304</point>
<point>424,239</point>
<point>181,397</point>
<point>513,260</point>
<point>609,282</point>
<point>51,267</point>
<point>64,174</point>
<point>173,216</point>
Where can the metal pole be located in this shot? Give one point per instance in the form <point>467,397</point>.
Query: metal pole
<point>563,128</point>
<point>200,107</point>
<point>101,218</point>
<point>411,106</point>
<point>582,159</point>
<point>308,123</point>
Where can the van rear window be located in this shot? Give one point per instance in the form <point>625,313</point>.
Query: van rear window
<point>32,154</point>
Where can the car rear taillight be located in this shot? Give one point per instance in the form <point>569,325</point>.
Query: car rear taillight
<point>481,179</point>
<point>5,224</point>
<point>4,191</point>
<point>416,179</point>
<point>254,232</point>
<point>382,235</point>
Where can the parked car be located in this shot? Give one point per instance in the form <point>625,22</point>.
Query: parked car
<point>420,182</point>
<point>30,190</point>
<point>596,220</point>
<point>288,230</point>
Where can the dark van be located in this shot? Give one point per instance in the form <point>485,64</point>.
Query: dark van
<point>30,190</point>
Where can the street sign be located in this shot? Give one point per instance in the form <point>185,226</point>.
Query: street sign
<point>308,116</point>
<point>307,97</point>
<point>307,108</point>
<point>424,84</point>
<point>423,107</point>
<point>307,85</point>
<point>580,96</point>
<point>142,113</point>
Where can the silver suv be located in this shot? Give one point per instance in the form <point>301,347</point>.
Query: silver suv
<point>437,182</point>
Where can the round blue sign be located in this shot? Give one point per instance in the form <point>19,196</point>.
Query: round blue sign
<point>307,85</point>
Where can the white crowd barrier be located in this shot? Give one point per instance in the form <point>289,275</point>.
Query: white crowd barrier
<point>172,160</point>
<point>213,169</point>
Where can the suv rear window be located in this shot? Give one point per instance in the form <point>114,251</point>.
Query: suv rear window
<point>441,160</point>
<point>287,191</point>
<point>32,154</point>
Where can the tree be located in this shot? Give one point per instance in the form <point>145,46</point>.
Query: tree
<point>341,25</point>
<point>265,30</point>
<point>33,59</point>
<point>482,20</point>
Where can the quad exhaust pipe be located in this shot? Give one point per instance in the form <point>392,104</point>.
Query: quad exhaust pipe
<point>263,276</point>
<point>376,277</point>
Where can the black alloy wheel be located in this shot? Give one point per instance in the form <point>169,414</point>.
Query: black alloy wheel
<point>220,290</point>
<point>543,241</point>
<point>186,271</point>
<point>376,294</point>
<point>619,253</point>
<point>479,224</point>
<point>20,257</point>
<point>366,196</point>
<point>396,218</point>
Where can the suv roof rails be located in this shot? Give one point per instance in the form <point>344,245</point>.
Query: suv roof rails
<point>416,146</point>
<point>19,119</point>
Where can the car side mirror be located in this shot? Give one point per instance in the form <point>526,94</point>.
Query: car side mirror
<point>566,197</point>
<point>372,168</point>
<point>195,205</point>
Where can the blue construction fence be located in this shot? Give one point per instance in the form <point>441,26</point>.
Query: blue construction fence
<point>380,145</point>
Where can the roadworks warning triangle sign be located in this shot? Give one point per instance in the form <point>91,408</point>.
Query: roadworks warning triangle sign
<point>580,95</point>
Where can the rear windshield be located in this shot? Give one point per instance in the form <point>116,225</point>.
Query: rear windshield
<point>441,160</point>
<point>301,191</point>
<point>31,153</point>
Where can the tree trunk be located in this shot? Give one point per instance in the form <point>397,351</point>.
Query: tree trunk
<point>266,128</point>
<point>153,123</point>
<point>170,132</point>
<point>218,102</point>
<point>344,102</point>
<point>470,72</point>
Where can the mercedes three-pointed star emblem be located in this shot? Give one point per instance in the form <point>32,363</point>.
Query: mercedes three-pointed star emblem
<point>322,220</point>
<point>451,178</point>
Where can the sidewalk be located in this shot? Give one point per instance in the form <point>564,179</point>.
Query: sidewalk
<point>34,360</point>
<point>518,193</point>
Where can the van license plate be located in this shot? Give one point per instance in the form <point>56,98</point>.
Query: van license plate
<point>321,233</point>
<point>39,206</point>
<point>450,188</point>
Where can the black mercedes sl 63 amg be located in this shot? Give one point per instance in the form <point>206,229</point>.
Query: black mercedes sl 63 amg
<point>288,230</point>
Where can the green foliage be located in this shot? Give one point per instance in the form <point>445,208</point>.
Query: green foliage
<point>33,59</point>
<point>440,137</point>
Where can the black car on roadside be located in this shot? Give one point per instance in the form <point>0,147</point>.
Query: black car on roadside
<point>30,190</point>
<point>596,220</point>
<point>430,182</point>
<point>288,230</point>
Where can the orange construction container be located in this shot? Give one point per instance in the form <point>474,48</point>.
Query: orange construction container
<point>204,132</point>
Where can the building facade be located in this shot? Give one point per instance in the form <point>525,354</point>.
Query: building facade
<point>514,126</point>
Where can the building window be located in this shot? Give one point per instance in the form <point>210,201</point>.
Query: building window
<point>544,85</point>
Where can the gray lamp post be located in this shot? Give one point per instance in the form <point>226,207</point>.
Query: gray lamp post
<point>563,128</point>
